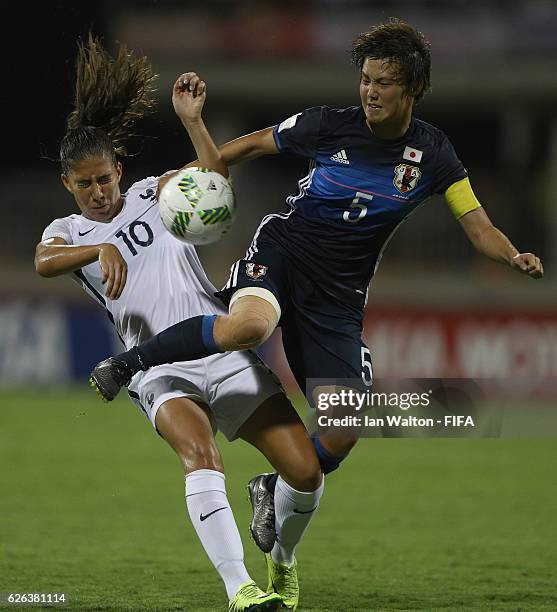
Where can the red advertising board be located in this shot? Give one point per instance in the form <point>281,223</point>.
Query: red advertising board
<point>426,343</point>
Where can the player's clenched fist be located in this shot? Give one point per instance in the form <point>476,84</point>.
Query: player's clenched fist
<point>115,270</point>
<point>528,263</point>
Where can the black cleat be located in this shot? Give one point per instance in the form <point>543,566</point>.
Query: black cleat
<point>262,500</point>
<point>109,376</point>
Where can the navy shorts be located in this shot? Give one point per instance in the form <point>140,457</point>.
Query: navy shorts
<point>322,337</point>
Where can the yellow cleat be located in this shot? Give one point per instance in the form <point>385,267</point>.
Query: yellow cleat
<point>284,580</point>
<point>249,597</point>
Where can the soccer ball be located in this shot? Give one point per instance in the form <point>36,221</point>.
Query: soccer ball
<point>197,205</point>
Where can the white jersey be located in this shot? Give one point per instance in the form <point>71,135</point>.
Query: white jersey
<point>166,282</point>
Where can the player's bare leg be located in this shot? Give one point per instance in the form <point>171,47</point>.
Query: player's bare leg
<point>186,426</point>
<point>283,504</point>
<point>276,426</point>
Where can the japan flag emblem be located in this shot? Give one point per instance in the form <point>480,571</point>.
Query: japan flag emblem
<point>414,155</point>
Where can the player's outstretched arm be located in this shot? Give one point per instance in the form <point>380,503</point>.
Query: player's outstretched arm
<point>245,148</point>
<point>188,97</point>
<point>490,241</point>
<point>54,257</point>
<point>249,147</point>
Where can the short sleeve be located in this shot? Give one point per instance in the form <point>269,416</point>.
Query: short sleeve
<point>449,169</point>
<point>59,228</point>
<point>299,134</point>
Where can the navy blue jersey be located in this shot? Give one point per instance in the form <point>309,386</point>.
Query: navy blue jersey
<point>357,191</point>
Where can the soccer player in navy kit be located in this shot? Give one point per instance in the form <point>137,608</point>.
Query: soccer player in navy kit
<point>308,268</point>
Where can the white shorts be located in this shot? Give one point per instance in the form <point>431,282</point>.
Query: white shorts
<point>233,385</point>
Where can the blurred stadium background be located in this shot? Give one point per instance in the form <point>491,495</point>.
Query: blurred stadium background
<point>436,308</point>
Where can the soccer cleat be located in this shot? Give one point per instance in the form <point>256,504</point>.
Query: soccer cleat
<point>262,500</point>
<point>283,579</point>
<point>109,376</point>
<point>250,597</point>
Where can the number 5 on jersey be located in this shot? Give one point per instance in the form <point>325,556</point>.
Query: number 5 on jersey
<point>367,372</point>
<point>348,215</point>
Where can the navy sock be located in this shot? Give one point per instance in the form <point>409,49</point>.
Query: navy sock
<point>185,341</point>
<point>328,462</point>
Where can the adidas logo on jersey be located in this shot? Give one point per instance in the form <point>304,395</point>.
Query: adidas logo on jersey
<point>212,185</point>
<point>340,157</point>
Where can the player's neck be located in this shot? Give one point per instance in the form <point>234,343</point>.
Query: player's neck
<point>390,130</point>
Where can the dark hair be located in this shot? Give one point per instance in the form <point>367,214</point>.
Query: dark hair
<point>402,45</point>
<point>110,95</point>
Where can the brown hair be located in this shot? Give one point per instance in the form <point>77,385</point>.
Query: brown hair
<point>110,95</point>
<point>402,45</point>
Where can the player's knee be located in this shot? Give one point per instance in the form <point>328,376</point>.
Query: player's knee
<point>306,477</point>
<point>199,455</point>
<point>310,481</point>
<point>246,331</point>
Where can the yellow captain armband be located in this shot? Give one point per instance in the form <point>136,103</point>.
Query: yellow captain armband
<point>461,198</point>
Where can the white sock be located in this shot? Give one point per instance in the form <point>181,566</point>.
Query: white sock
<point>214,523</point>
<point>293,512</point>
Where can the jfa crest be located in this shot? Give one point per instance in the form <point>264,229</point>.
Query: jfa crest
<point>255,270</point>
<point>406,177</point>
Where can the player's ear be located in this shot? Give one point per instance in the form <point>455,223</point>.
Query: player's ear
<point>66,182</point>
<point>119,169</point>
<point>411,94</point>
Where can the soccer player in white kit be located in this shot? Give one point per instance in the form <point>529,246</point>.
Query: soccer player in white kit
<point>118,250</point>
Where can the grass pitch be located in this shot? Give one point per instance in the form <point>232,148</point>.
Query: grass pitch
<point>91,504</point>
